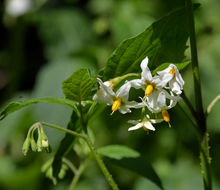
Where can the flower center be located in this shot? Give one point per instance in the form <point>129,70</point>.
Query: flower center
<point>149,89</point>
<point>172,71</point>
<point>116,104</point>
<point>166,115</point>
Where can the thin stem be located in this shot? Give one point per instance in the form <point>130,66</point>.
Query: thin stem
<point>212,104</point>
<point>101,164</point>
<point>201,119</point>
<point>64,130</point>
<point>78,174</point>
<point>70,164</point>
<point>82,121</point>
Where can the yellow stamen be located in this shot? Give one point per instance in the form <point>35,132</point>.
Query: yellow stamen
<point>146,129</point>
<point>172,71</point>
<point>116,104</point>
<point>149,89</point>
<point>166,115</point>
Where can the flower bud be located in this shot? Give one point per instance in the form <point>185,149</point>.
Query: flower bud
<point>26,146</point>
<point>33,145</point>
<point>39,141</point>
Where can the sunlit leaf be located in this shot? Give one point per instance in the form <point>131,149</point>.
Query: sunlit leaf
<point>79,85</point>
<point>163,42</point>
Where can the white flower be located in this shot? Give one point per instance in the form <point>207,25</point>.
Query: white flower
<point>17,7</point>
<point>119,100</point>
<point>146,123</point>
<point>172,76</point>
<point>147,82</point>
<point>157,103</point>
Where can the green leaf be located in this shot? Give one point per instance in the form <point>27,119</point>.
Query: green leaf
<point>163,66</point>
<point>118,152</point>
<point>130,159</point>
<point>164,41</point>
<point>79,85</point>
<point>14,106</point>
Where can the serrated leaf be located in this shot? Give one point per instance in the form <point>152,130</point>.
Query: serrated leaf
<point>130,159</point>
<point>14,106</point>
<point>118,152</point>
<point>180,66</point>
<point>164,41</point>
<point>79,85</point>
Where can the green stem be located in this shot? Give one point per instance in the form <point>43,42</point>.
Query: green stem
<point>70,165</point>
<point>101,164</point>
<point>190,106</point>
<point>201,119</point>
<point>99,160</point>
<point>64,130</point>
<point>212,104</point>
<point>78,174</point>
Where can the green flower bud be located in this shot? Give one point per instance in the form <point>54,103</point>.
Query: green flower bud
<point>45,142</point>
<point>26,146</point>
<point>39,141</point>
<point>33,145</point>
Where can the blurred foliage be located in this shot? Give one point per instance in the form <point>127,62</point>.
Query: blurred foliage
<point>43,46</point>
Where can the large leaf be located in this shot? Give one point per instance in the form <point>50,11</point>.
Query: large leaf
<point>164,41</point>
<point>130,159</point>
<point>14,106</point>
<point>79,85</point>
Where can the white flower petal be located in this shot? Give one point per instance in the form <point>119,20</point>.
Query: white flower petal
<point>161,99</point>
<point>136,83</point>
<point>138,126</point>
<point>133,104</point>
<point>123,91</point>
<point>108,90</point>
<point>156,120</point>
<point>102,97</point>
<point>175,87</point>
<point>123,109</point>
<point>148,125</point>
<point>146,73</point>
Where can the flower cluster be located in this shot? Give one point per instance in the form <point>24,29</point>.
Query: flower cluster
<point>42,140</point>
<point>161,93</point>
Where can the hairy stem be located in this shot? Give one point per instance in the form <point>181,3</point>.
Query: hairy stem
<point>201,119</point>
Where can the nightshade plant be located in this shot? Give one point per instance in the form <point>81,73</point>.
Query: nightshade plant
<point>151,61</point>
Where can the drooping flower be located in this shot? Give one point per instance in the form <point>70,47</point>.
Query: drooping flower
<point>146,123</point>
<point>157,103</point>
<point>118,100</point>
<point>172,76</point>
<point>147,82</point>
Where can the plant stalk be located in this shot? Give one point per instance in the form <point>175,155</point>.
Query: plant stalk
<point>201,119</point>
